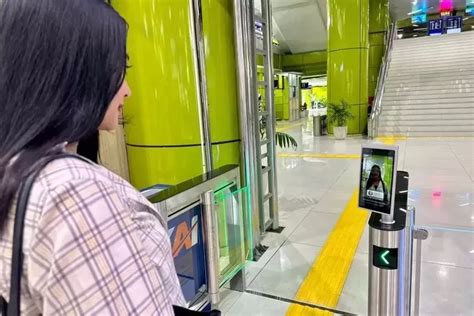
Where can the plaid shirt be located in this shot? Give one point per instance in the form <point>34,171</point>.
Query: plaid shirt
<point>92,245</point>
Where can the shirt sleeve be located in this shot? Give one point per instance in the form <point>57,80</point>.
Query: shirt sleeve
<point>87,257</point>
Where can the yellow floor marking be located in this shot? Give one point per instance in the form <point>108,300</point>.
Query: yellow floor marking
<point>287,127</point>
<point>318,155</point>
<point>325,281</point>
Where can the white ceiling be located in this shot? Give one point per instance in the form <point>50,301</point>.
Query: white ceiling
<point>301,25</point>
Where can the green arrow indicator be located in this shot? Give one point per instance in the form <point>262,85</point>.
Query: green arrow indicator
<point>383,255</point>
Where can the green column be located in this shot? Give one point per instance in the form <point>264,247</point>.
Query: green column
<point>379,19</point>
<point>348,47</point>
<point>163,132</point>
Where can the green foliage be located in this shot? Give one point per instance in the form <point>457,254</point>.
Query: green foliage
<point>339,114</point>
<point>284,140</point>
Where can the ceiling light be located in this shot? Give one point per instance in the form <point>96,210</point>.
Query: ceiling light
<point>400,35</point>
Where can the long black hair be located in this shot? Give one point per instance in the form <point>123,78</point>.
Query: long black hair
<point>369,181</point>
<point>61,64</point>
<point>88,147</point>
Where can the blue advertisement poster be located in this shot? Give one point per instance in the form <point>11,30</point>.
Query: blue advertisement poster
<point>187,244</point>
<point>435,27</point>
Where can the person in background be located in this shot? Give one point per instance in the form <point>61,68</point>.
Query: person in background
<point>92,243</point>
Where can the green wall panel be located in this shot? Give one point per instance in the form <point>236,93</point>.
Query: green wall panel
<point>379,17</point>
<point>226,154</point>
<point>377,38</point>
<point>379,20</point>
<point>277,61</point>
<point>163,165</point>
<point>376,55</point>
<point>285,99</point>
<point>312,63</point>
<point>278,103</point>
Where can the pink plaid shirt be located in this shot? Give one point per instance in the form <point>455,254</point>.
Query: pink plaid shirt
<point>92,245</point>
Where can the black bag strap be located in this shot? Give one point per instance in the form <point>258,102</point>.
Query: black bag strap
<point>13,306</point>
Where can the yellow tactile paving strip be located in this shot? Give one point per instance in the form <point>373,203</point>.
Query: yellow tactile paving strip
<point>325,281</point>
<point>318,155</point>
<point>390,140</point>
<point>282,128</point>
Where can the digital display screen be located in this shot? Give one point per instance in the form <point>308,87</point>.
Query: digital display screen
<point>385,258</point>
<point>377,178</point>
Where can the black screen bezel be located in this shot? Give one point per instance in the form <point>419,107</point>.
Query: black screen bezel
<point>367,204</point>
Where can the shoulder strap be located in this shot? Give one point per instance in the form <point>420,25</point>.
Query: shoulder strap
<point>13,308</point>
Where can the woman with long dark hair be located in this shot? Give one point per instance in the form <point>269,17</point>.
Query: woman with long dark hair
<point>375,186</point>
<point>92,244</point>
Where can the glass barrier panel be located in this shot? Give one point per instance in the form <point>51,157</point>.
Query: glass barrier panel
<point>228,207</point>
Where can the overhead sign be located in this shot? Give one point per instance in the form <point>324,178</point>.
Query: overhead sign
<point>385,258</point>
<point>435,27</point>
<point>452,24</point>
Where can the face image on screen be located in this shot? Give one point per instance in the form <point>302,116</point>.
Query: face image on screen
<point>376,183</point>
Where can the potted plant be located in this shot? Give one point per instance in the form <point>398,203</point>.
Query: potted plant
<point>338,115</point>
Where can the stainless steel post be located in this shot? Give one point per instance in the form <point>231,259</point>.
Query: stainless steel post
<point>390,257</point>
<point>212,246</point>
<point>384,284</point>
<point>200,65</point>
<point>408,275</point>
<point>420,235</point>
<point>248,134</point>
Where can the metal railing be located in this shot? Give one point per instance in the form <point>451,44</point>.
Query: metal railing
<point>373,123</point>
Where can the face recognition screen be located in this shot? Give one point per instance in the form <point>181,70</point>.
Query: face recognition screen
<point>377,178</point>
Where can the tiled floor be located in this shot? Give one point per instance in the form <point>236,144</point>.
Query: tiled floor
<point>314,191</point>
